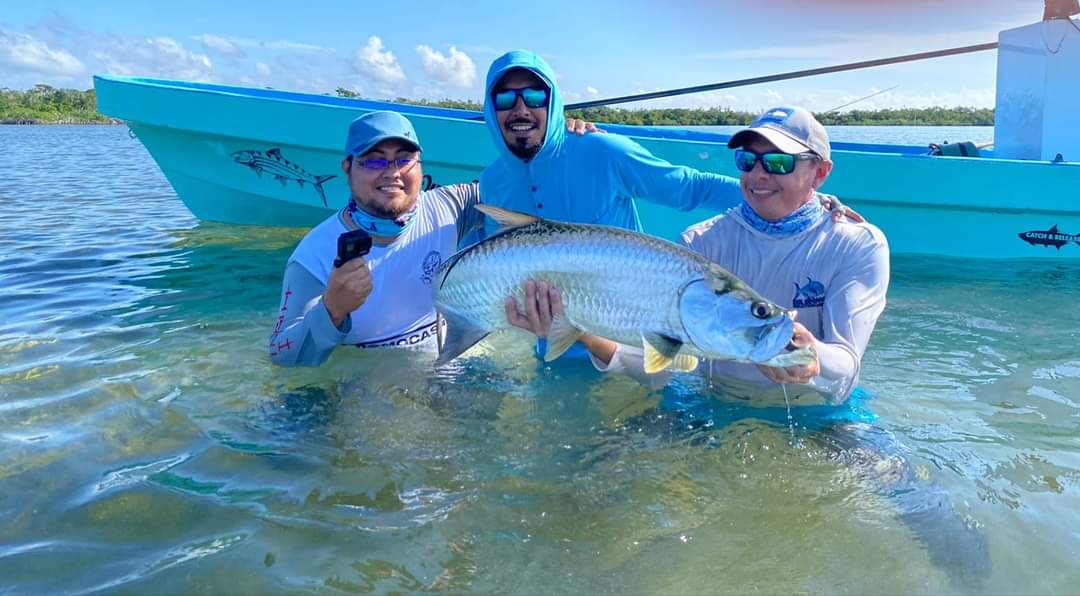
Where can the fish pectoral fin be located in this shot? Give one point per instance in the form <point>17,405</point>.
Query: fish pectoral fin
<point>505,217</point>
<point>560,337</point>
<point>660,351</point>
<point>455,336</point>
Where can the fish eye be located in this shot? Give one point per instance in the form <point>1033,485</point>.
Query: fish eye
<point>760,310</point>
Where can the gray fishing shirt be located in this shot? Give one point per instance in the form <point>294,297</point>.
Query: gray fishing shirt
<point>399,312</point>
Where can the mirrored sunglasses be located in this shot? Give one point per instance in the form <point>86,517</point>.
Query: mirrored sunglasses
<point>774,162</point>
<point>534,97</point>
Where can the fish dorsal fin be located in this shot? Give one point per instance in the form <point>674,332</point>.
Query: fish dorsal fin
<point>560,337</point>
<point>662,352</point>
<point>275,153</point>
<point>1053,229</point>
<point>456,335</point>
<point>505,217</point>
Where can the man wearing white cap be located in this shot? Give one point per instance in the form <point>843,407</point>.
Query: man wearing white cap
<point>778,240</point>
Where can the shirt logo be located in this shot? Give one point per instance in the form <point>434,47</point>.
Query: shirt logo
<point>808,295</point>
<point>430,266</point>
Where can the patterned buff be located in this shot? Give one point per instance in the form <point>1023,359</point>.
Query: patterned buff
<point>379,226</point>
<point>801,219</point>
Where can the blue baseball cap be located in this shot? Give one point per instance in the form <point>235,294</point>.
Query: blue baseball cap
<point>375,127</point>
<point>791,129</point>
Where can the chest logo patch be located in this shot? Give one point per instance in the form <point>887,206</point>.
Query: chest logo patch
<point>430,266</point>
<point>810,294</point>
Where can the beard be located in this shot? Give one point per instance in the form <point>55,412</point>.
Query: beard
<point>523,149</point>
<point>394,210</point>
<point>519,144</point>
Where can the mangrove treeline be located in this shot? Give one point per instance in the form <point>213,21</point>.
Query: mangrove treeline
<point>48,105</point>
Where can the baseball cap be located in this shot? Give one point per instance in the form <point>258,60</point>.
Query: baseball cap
<point>375,127</point>
<point>791,129</point>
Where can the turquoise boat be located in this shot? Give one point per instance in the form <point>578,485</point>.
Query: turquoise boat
<point>272,158</point>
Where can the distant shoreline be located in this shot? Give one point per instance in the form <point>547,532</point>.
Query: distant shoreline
<point>61,122</point>
<point>45,105</point>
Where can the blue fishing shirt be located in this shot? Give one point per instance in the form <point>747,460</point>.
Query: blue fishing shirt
<point>590,179</point>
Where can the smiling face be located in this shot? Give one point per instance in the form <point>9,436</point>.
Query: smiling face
<point>523,128</point>
<point>389,192</point>
<point>775,196</point>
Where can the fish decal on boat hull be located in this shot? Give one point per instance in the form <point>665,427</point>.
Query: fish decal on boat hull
<point>1051,237</point>
<point>281,169</point>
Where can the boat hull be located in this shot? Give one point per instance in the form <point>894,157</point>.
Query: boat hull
<point>264,157</point>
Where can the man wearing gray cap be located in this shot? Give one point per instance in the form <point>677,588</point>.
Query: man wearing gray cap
<point>834,273</point>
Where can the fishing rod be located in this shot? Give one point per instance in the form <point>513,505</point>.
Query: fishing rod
<point>855,101</point>
<point>784,76</point>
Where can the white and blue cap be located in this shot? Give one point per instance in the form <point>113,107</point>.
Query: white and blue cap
<point>375,127</point>
<point>791,129</point>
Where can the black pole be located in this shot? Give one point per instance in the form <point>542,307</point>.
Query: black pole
<point>783,76</point>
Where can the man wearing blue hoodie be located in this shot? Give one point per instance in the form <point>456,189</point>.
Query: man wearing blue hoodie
<point>590,179</point>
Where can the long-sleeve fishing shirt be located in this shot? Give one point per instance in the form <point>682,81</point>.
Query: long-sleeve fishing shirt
<point>399,312</point>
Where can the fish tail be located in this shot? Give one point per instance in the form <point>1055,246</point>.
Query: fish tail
<point>318,186</point>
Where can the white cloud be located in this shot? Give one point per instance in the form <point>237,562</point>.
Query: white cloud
<point>221,45</point>
<point>456,69</point>
<point>26,53</point>
<point>280,44</point>
<point>377,64</point>
<point>158,56</point>
<point>591,91</point>
<point>263,69</point>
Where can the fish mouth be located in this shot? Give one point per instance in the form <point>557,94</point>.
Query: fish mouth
<point>774,339</point>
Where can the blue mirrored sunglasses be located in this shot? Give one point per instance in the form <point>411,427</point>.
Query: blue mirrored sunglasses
<point>378,165</point>
<point>534,97</point>
<point>774,162</point>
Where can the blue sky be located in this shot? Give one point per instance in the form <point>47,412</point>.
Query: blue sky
<point>598,49</point>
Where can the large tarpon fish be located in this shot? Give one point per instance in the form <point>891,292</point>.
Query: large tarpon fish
<point>618,284</point>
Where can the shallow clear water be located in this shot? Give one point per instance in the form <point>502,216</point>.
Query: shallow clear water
<point>147,445</point>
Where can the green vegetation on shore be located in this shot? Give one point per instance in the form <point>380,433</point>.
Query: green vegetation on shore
<point>959,116</point>
<point>47,105</point>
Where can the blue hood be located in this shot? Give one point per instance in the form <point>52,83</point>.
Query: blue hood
<point>556,120</point>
